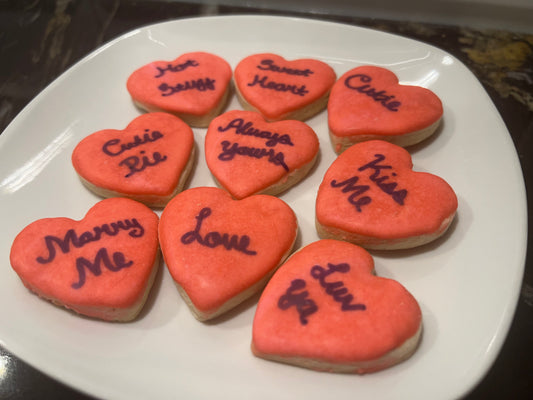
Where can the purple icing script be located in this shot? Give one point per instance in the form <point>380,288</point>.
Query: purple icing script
<point>296,296</point>
<point>247,128</point>
<point>175,68</point>
<point>135,163</point>
<point>381,181</point>
<point>72,239</point>
<point>264,83</point>
<point>269,65</point>
<point>381,96</point>
<point>215,239</point>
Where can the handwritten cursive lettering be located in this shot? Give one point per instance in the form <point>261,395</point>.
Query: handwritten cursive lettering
<point>229,151</point>
<point>72,239</point>
<point>248,129</point>
<point>381,181</point>
<point>278,87</point>
<point>336,289</point>
<point>349,185</point>
<point>269,65</point>
<point>114,147</point>
<point>137,164</point>
<point>304,305</point>
<point>175,68</point>
<point>102,257</point>
<point>201,85</point>
<point>215,239</point>
<point>381,96</point>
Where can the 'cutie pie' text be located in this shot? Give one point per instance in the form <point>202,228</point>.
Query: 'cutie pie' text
<point>296,296</point>
<point>175,68</point>
<point>135,163</point>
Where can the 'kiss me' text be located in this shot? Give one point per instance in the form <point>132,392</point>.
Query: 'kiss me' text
<point>356,191</point>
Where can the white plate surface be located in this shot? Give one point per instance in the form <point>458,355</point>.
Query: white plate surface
<point>467,283</point>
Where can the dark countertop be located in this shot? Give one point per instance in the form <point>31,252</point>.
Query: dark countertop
<point>40,39</point>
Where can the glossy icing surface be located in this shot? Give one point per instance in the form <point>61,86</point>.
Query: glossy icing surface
<point>326,304</point>
<point>276,87</point>
<point>148,157</point>
<point>216,247</point>
<point>102,261</point>
<point>371,189</point>
<point>247,154</point>
<point>369,100</point>
<point>194,83</point>
<point>472,236</point>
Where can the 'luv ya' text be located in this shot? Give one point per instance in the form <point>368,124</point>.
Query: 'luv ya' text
<point>268,83</point>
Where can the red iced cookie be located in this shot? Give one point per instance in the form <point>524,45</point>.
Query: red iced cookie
<point>368,103</point>
<point>195,87</point>
<point>324,309</point>
<point>149,161</point>
<point>248,155</point>
<point>281,89</point>
<point>371,196</point>
<point>221,251</point>
<point>102,266</point>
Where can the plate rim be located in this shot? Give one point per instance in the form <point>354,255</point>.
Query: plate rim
<point>498,337</point>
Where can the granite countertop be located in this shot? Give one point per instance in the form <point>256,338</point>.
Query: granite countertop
<point>40,39</point>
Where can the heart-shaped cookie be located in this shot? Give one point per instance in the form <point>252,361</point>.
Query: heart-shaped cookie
<point>195,87</point>
<point>221,251</point>
<point>248,155</point>
<point>149,161</point>
<point>102,266</point>
<point>282,89</point>
<point>325,310</point>
<point>369,103</point>
<point>371,196</point>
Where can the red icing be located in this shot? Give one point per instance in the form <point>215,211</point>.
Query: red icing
<point>54,269</point>
<point>276,87</point>
<point>246,154</point>
<point>210,272</point>
<point>386,108</point>
<point>199,79</point>
<point>388,314</point>
<point>428,200</point>
<point>147,158</point>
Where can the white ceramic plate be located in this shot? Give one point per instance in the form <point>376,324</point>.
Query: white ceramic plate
<point>467,283</point>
